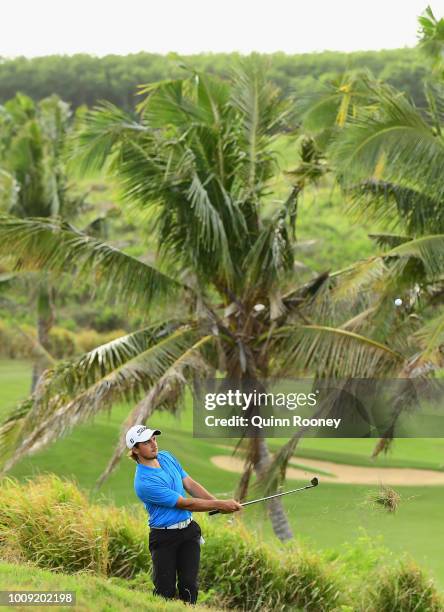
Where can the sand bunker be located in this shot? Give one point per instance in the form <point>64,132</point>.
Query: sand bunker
<point>348,474</point>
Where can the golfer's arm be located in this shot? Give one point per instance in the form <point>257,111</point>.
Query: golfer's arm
<point>195,489</point>
<point>195,504</point>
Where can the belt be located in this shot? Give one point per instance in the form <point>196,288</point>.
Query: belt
<point>180,525</point>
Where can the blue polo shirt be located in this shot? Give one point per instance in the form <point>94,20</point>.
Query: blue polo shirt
<point>160,488</point>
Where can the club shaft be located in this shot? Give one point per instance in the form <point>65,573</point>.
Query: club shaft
<point>255,501</point>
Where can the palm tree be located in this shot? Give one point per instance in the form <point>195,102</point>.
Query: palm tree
<point>33,183</point>
<point>432,40</point>
<point>388,158</point>
<point>197,160</point>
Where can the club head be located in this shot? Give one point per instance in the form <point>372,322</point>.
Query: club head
<point>314,482</point>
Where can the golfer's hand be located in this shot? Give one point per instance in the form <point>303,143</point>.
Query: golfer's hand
<point>229,505</point>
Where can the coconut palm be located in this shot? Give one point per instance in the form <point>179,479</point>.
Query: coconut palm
<point>196,159</point>
<point>388,158</point>
<point>33,183</point>
<point>432,40</point>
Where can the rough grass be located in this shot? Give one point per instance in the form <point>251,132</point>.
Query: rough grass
<point>402,588</point>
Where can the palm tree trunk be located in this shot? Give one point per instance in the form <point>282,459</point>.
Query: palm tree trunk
<point>276,512</point>
<point>45,320</point>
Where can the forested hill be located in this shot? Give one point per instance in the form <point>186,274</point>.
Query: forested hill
<point>84,79</point>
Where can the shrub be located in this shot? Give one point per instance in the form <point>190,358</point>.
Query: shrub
<point>403,587</point>
<point>89,339</point>
<point>62,343</point>
<point>18,343</point>
<point>14,345</point>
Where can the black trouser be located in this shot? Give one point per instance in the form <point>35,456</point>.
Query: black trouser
<point>176,551</point>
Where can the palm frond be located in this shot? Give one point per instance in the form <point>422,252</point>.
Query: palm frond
<point>53,414</point>
<point>167,391</point>
<point>397,205</point>
<point>53,245</point>
<point>262,111</point>
<point>359,278</point>
<point>335,352</point>
<point>75,376</point>
<point>395,272</point>
<point>429,250</point>
<point>430,339</point>
<point>413,153</point>
<point>270,257</point>
<point>335,102</point>
<point>101,130</point>
<point>389,240</point>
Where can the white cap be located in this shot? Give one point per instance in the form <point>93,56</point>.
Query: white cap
<point>139,433</point>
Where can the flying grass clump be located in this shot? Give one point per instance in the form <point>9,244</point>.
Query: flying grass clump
<point>386,498</point>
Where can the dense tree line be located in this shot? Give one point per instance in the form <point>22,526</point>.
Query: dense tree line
<point>84,79</point>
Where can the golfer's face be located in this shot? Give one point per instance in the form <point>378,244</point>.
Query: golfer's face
<point>149,449</point>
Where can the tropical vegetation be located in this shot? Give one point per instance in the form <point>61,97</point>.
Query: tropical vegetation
<point>196,161</point>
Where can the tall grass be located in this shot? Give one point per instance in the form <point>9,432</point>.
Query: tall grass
<point>402,588</point>
<point>251,577</point>
<point>50,522</point>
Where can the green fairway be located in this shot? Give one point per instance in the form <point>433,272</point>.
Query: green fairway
<point>327,517</point>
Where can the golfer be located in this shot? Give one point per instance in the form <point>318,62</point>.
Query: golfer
<point>174,539</point>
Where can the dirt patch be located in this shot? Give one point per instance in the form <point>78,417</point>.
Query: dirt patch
<point>346,474</point>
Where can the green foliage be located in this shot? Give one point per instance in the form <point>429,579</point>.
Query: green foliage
<point>57,242</point>
<point>62,343</point>
<point>20,342</point>
<point>198,159</point>
<point>432,39</point>
<point>403,587</point>
<point>83,79</point>
<point>49,522</point>
<point>89,339</point>
<point>247,576</point>
<point>33,135</point>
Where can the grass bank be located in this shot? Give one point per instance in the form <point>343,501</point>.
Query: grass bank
<point>92,592</point>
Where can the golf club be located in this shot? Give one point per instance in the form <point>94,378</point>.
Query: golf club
<point>314,483</point>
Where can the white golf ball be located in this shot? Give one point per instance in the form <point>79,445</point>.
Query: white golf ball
<point>398,302</point>
<point>259,307</point>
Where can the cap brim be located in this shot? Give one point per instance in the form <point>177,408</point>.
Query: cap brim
<point>147,436</point>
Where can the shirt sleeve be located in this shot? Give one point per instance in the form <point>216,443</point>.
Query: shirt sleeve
<point>178,466</point>
<point>157,494</point>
